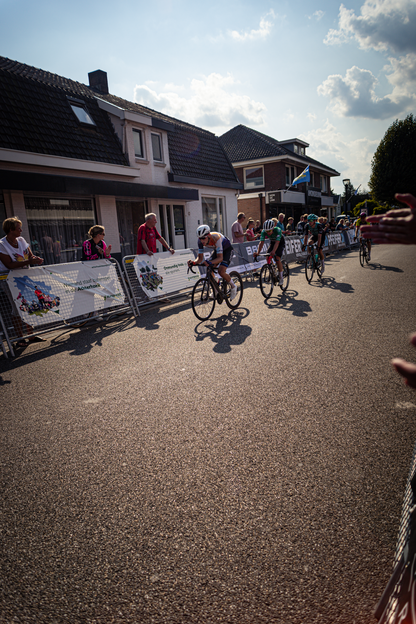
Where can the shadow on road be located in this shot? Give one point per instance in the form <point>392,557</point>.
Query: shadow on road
<point>376,266</point>
<point>287,301</point>
<point>329,282</point>
<point>226,331</point>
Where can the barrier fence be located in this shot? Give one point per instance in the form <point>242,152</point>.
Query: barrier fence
<point>43,299</point>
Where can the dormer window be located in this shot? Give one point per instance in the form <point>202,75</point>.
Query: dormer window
<point>138,143</point>
<point>157,147</point>
<point>81,112</point>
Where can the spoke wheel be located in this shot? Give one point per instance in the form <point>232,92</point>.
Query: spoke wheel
<point>266,281</point>
<point>203,299</point>
<point>362,255</point>
<point>236,277</point>
<point>319,268</point>
<point>366,254</point>
<point>285,284</point>
<point>309,268</point>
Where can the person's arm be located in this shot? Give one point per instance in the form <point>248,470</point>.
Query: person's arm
<point>259,248</point>
<point>406,369</point>
<point>396,226</point>
<point>14,264</point>
<point>166,246</point>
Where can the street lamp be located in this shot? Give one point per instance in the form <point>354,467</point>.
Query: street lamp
<point>346,184</point>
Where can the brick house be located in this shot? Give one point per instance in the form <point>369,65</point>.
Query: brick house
<point>74,155</point>
<point>266,167</point>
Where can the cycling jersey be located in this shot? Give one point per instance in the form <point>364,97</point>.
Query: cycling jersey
<point>276,234</point>
<point>315,230</point>
<point>360,222</point>
<point>217,240</point>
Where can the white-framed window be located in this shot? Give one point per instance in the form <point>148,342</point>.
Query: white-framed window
<point>302,151</point>
<point>157,147</point>
<point>290,174</point>
<point>253,177</point>
<point>212,213</point>
<point>138,143</point>
<point>324,184</point>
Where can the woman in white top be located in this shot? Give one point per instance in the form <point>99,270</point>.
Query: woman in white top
<point>15,253</point>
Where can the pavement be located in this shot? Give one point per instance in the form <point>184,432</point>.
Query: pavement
<point>249,469</point>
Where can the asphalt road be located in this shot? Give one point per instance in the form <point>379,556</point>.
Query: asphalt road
<point>246,470</point>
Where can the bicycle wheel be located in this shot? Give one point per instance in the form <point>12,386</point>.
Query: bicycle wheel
<point>203,299</point>
<point>266,281</point>
<point>366,254</point>
<point>309,268</point>
<point>236,277</point>
<point>285,284</point>
<point>318,266</point>
<point>362,255</point>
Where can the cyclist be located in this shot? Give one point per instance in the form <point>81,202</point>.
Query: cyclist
<point>316,231</point>
<point>362,220</point>
<point>219,258</point>
<point>277,243</point>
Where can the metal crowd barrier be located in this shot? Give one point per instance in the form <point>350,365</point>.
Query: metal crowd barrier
<point>13,329</point>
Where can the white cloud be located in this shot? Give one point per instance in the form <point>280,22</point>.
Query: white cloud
<point>352,158</point>
<point>311,116</point>
<point>318,15</point>
<point>354,95</point>
<point>383,24</point>
<point>211,104</point>
<point>262,32</point>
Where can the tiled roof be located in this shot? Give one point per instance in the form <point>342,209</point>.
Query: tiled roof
<point>36,118</point>
<point>243,144</point>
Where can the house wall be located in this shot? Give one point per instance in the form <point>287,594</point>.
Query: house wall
<point>193,211</point>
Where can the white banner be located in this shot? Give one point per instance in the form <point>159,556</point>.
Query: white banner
<point>68,290</point>
<point>164,273</point>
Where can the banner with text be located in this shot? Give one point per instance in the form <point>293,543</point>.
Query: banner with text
<point>68,290</point>
<point>164,273</point>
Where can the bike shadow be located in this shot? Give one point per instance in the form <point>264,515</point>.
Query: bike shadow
<point>287,301</point>
<point>330,282</point>
<point>376,266</point>
<point>226,331</point>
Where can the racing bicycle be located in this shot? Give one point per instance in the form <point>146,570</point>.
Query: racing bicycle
<point>363,251</point>
<point>313,263</point>
<point>207,292</point>
<point>269,276</point>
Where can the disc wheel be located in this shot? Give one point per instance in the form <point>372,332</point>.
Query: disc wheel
<point>203,299</point>
<point>361,255</point>
<point>236,277</point>
<point>309,268</point>
<point>285,284</point>
<point>266,281</point>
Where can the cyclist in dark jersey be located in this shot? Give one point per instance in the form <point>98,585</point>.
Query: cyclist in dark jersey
<point>315,231</point>
<point>276,246</point>
<point>362,220</point>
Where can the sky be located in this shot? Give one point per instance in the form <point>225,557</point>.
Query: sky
<point>335,75</point>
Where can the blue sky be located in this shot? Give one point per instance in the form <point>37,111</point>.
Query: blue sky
<point>335,75</point>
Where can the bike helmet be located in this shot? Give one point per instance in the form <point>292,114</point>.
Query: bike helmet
<point>269,225</point>
<point>203,231</point>
<point>363,215</point>
<point>312,217</point>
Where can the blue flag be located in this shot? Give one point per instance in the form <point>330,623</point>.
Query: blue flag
<point>305,176</point>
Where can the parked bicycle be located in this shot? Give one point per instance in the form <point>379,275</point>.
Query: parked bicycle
<point>313,263</point>
<point>208,291</point>
<point>269,276</point>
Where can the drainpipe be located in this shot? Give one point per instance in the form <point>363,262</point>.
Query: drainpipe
<point>261,207</point>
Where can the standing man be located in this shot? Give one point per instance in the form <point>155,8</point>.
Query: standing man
<point>147,236</point>
<point>300,228</point>
<point>237,231</point>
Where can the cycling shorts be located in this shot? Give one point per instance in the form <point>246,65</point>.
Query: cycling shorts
<point>315,240</point>
<point>279,249</point>
<point>226,256</point>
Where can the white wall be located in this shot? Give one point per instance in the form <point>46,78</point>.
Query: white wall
<point>193,211</point>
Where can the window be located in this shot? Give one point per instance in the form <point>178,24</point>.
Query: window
<point>253,177</point>
<point>324,187</point>
<point>290,174</point>
<point>157,147</point>
<point>130,216</point>
<point>212,213</point>
<point>138,143</point>
<point>58,227</point>
<point>82,114</point>
<point>296,149</point>
<point>302,151</point>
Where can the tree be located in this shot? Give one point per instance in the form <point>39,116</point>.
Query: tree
<point>372,207</point>
<point>394,162</point>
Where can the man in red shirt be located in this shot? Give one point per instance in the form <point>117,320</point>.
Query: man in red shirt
<point>147,236</point>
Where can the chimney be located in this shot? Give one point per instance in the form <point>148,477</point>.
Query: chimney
<point>98,81</point>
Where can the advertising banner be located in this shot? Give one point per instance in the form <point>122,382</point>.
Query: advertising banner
<point>68,290</point>
<point>164,273</point>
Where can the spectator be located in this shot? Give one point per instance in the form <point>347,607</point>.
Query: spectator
<point>147,235</point>
<point>333,225</point>
<point>279,222</point>
<point>15,253</point>
<point>396,226</point>
<point>250,236</point>
<point>341,225</point>
<point>95,248</point>
<point>237,231</point>
<point>47,244</point>
<point>300,228</point>
<point>257,230</point>
<point>290,226</point>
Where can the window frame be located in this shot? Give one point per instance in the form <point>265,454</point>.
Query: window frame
<point>139,131</point>
<point>159,136</point>
<point>248,186</point>
<point>75,104</point>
